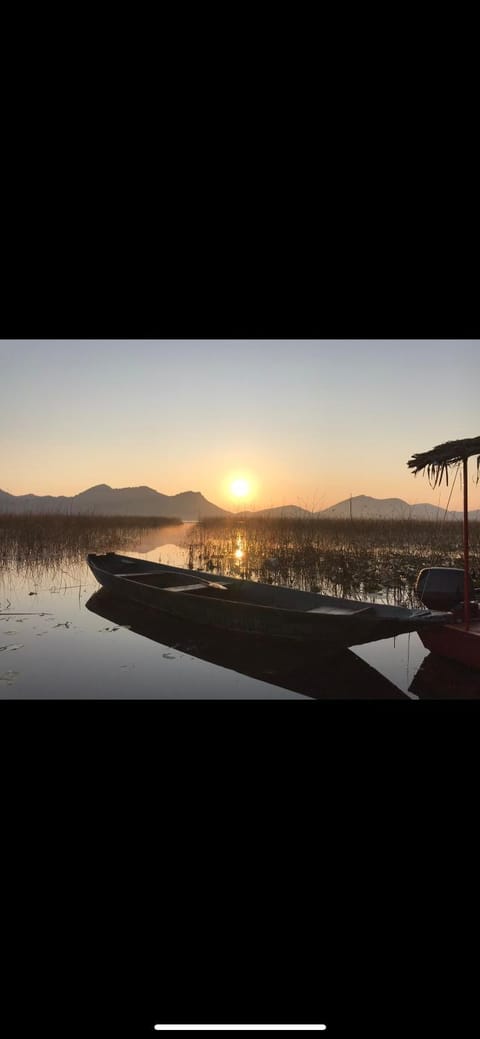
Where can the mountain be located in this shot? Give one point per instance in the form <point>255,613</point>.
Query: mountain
<point>364,507</point>
<point>122,501</point>
<point>289,511</point>
<point>191,505</point>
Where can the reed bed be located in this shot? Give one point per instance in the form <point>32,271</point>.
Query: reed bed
<point>358,558</point>
<point>37,538</point>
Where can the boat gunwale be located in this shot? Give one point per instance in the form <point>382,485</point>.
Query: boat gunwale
<point>380,611</point>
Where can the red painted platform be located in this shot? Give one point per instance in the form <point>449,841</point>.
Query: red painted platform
<point>455,642</point>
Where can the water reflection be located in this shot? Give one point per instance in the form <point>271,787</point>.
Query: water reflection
<point>295,667</point>
<point>397,658</point>
<point>52,647</point>
<point>420,674</point>
<point>168,545</point>
<point>442,679</point>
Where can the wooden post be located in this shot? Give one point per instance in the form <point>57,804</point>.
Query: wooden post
<point>466,585</point>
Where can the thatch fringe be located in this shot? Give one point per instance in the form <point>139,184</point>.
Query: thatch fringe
<point>437,461</point>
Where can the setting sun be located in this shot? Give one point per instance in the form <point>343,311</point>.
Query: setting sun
<point>240,488</point>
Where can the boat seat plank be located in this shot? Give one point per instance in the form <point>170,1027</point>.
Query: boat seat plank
<point>338,611</point>
<point>195,587</point>
<point>187,587</point>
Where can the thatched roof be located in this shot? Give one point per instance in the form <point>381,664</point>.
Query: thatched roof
<point>437,461</point>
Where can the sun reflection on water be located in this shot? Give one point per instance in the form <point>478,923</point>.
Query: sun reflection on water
<point>239,552</point>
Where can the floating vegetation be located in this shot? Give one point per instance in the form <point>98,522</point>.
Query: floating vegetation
<point>359,558</point>
<point>9,676</point>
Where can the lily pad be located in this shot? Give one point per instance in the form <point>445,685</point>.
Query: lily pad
<point>9,676</point>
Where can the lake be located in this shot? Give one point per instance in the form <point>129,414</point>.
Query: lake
<point>62,637</point>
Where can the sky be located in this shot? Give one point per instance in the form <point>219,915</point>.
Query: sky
<point>302,422</point>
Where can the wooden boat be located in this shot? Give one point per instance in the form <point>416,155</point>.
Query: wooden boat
<point>449,587</point>
<point>263,609</point>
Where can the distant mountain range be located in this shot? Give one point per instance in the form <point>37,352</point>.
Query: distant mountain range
<point>191,505</point>
<point>363,507</point>
<point>110,501</point>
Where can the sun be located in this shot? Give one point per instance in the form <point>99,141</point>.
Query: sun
<point>240,488</point>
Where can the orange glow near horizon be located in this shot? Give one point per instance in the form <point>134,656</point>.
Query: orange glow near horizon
<point>302,422</point>
<point>243,488</point>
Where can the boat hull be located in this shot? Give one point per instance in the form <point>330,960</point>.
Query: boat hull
<point>275,612</point>
<point>455,642</point>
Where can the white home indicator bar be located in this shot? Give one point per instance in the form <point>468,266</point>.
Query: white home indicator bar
<point>240,1028</point>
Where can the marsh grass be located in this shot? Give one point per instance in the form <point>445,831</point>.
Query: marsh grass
<point>36,538</point>
<point>370,559</point>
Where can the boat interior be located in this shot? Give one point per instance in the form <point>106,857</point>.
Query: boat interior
<point>173,582</point>
<point>235,590</point>
<point>247,592</point>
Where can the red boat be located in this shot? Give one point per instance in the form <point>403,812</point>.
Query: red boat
<point>450,586</point>
<point>456,642</point>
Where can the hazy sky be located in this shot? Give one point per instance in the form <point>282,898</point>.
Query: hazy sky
<point>307,422</point>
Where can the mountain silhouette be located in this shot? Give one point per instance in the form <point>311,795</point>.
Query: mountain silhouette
<point>192,505</point>
<point>110,501</point>
<point>363,507</point>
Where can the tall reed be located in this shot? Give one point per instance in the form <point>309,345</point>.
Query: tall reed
<point>39,537</point>
<point>358,558</point>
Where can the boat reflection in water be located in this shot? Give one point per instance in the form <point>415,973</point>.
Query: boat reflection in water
<point>441,679</point>
<point>293,666</point>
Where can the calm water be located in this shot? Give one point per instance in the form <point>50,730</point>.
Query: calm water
<point>61,637</point>
<point>59,648</point>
